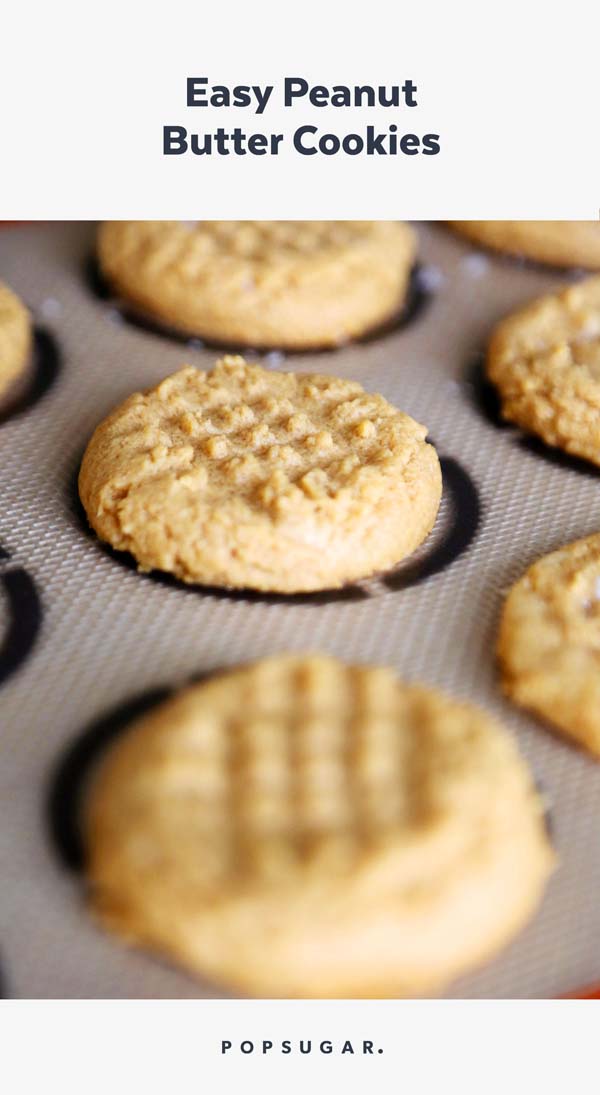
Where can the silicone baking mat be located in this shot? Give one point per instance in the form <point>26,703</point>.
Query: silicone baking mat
<point>85,639</point>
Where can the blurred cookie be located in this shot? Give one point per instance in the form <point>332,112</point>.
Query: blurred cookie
<point>249,478</point>
<point>559,243</point>
<point>267,284</point>
<point>300,827</point>
<point>15,339</point>
<point>549,642</point>
<point>545,363</point>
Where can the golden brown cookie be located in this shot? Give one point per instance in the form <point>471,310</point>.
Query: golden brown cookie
<point>249,478</point>
<point>545,363</point>
<point>559,243</point>
<point>15,339</point>
<point>549,642</point>
<point>299,827</point>
<point>278,284</point>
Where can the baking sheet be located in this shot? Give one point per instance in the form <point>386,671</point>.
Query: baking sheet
<point>82,635</point>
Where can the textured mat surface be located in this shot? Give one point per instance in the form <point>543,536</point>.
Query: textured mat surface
<point>83,636</point>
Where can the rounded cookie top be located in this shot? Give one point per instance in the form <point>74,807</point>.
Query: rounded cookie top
<point>15,338</point>
<point>559,243</point>
<point>549,640</point>
<point>304,827</point>
<point>243,477</point>
<point>545,362</point>
<point>278,284</point>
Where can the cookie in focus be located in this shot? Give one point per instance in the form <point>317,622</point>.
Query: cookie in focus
<point>248,478</point>
<point>288,285</point>
<point>301,827</point>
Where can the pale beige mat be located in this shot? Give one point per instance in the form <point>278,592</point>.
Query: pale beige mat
<point>82,634</point>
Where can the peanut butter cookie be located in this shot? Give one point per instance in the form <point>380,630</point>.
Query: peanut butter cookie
<point>300,827</point>
<point>545,363</point>
<point>15,339</point>
<point>249,478</point>
<point>559,243</point>
<point>549,642</point>
<point>267,284</point>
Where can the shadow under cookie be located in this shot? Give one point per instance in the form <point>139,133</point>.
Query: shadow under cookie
<point>486,399</point>
<point>416,301</point>
<point>40,375</point>
<point>19,590</point>
<point>515,258</point>
<point>69,779</point>
<point>454,531</point>
<point>461,527</point>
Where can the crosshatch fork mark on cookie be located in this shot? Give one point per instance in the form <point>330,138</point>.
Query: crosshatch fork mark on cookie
<point>244,477</point>
<point>71,776</point>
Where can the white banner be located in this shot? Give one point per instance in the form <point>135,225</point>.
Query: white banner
<point>429,110</point>
<point>188,1047</point>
